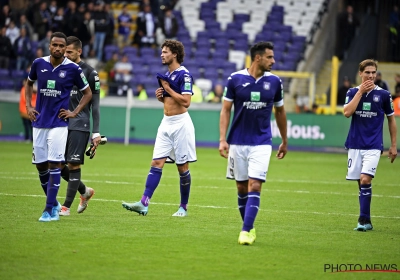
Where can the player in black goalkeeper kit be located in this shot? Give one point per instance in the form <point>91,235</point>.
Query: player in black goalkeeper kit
<point>79,131</point>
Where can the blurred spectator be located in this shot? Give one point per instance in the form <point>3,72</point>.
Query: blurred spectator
<point>24,115</point>
<point>5,16</point>
<point>302,104</point>
<point>397,86</point>
<point>341,96</point>
<point>86,33</point>
<point>33,6</point>
<point>140,92</point>
<point>109,67</point>
<point>123,74</point>
<point>18,7</point>
<point>38,53</point>
<point>23,50</point>
<point>53,9</point>
<point>6,49</point>
<point>169,24</point>
<point>396,104</point>
<point>92,59</point>
<point>123,70</point>
<point>215,96</point>
<point>24,23</point>
<point>124,27</point>
<point>73,20</point>
<point>379,82</point>
<point>348,23</point>
<point>101,21</point>
<point>146,25</point>
<point>110,25</point>
<point>197,96</point>
<point>81,10</point>
<point>12,32</point>
<point>42,20</point>
<point>45,43</point>
<point>58,22</point>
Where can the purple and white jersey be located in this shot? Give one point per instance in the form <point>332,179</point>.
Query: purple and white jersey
<point>366,128</point>
<point>180,81</point>
<point>53,89</point>
<point>253,102</point>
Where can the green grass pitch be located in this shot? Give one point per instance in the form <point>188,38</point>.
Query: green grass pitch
<point>306,220</point>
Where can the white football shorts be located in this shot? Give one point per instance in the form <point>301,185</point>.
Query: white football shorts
<point>49,144</point>
<point>362,162</point>
<point>246,162</point>
<point>176,139</point>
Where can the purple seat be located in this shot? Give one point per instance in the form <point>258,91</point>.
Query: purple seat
<point>147,52</point>
<point>4,72</point>
<point>7,84</point>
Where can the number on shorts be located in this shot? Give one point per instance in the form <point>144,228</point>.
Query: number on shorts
<point>231,162</point>
<point>349,162</point>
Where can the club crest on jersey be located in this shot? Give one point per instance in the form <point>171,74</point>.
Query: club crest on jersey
<point>62,74</point>
<point>376,98</point>
<point>173,77</point>
<point>266,85</point>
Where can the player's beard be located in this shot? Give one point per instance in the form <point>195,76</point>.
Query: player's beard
<point>57,55</point>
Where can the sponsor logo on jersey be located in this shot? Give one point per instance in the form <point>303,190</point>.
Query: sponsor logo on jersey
<point>97,85</point>
<point>62,74</point>
<point>96,78</point>
<point>267,85</point>
<point>44,70</point>
<point>347,100</point>
<point>51,84</point>
<point>255,96</point>
<point>188,86</point>
<point>376,98</point>
<point>245,84</point>
<point>187,79</point>
<point>366,106</point>
<point>225,90</point>
<point>83,78</point>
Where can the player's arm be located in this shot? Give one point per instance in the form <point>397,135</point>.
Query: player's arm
<point>94,83</point>
<point>224,119</point>
<point>393,132</point>
<point>31,111</point>
<point>280,117</point>
<point>182,99</point>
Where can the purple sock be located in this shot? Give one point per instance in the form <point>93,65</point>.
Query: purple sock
<point>252,205</point>
<point>52,189</point>
<point>365,201</point>
<point>242,200</point>
<point>153,179</point>
<point>185,180</point>
<point>44,180</point>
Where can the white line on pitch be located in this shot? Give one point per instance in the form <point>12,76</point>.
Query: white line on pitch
<point>213,206</point>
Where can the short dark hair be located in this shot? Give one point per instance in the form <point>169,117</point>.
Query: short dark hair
<point>259,48</point>
<point>72,40</point>
<point>367,62</point>
<point>58,35</point>
<point>175,47</point>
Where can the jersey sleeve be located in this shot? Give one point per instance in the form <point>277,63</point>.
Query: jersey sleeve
<point>229,91</point>
<point>388,103</point>
<point>278,98</point>
<point>350,95</point>
<point>187,84</point>
<point>32,76</point>
<point>94,82</point>
<point>80,79</point>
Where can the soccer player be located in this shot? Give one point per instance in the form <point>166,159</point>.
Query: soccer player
<point>79,131</point>
<point>175,137</point>
<point>253,92</point>
<point>55,76</point>
<point>367,106</point>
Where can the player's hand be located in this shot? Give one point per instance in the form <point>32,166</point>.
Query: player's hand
<point>392,154</point>
<point>367,86</point>
<point>224,148</point>
<point>96,141</point>
<point>32,113</point>
<point>160,94</point>
<point>281,151</point>
<point>66,114</point>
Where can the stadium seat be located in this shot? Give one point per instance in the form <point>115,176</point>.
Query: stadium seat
<point>204,84</point>
<point>237,57</point>
<point>7,84</point>
<point>4,73</point>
